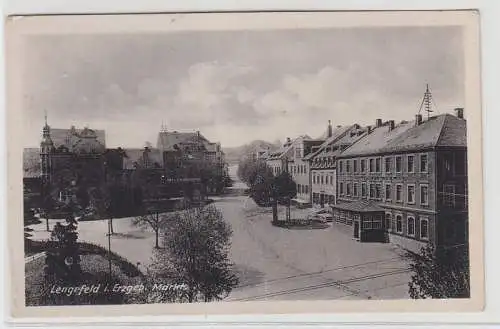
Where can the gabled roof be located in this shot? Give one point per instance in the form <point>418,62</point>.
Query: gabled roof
<point>167,139</point>
<point>443,130</point>
<point>73,136</point>
<point>134,156</point>
<point>340,136</point>
<point>285,149</point>
<point>377,140</point>
<point>440,131</point>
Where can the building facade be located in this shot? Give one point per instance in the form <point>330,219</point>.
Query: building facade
<point>70,158</point>
<point>74,163</point>
<point>298,167</point>
<point>323,163</point>
<point>415,176</point>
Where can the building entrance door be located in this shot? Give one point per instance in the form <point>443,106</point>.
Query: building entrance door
<point>322,200</point>
<point>356,230</point>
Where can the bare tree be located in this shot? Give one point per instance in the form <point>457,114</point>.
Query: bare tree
<point>153,220</point>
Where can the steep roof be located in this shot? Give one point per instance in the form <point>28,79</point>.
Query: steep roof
<point>134,156</point>
<point>167,139</point>
<point>443,130</point>
<point>340,136</point>
<point>73,136</point>
<point>278,154</point>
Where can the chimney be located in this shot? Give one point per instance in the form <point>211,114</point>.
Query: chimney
<point>378,123</point>
<point>418,119</point>
<point>391,125</point>
<point>369,129</point>
<point>459,112</point>
<point>329,130</point>
<point>288,140</point>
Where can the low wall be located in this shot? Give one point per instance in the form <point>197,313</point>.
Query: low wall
<point>405,243</point>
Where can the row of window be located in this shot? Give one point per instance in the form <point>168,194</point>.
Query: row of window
<point>302,189</point>
<point>391,224</point>
<point>299,169</point>
<point>322,199</point>
<point>374,191</point>
<point>324,160</point>
<point>396,225</point>
<point>391,163</point>
<point>323,179</point>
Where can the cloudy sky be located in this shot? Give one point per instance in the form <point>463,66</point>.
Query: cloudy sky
<point>237,86</point>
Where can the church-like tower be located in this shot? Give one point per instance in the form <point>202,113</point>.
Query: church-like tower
<point>46,150</point>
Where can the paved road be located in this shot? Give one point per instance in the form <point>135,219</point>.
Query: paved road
<point>276,263</point>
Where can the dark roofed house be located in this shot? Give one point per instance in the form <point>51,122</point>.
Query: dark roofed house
<point>79,140</point>
<point>145,158</point>
<point>417,172</point>
<point>323,163</point>
<point>172,140</point>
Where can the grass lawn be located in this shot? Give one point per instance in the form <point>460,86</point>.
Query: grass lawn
<point>95,268</point>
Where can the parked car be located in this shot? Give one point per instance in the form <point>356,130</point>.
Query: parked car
<point>323,215</point>
<point>316,218</point>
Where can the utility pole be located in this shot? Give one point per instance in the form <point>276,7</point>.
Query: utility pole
<point>109,247</point>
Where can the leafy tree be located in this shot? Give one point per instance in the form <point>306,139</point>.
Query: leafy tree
<point>261,184</point>
<point>196,254</point>
<point>62,261</point>
<point>102,202</point>
<point>441,272</point>
<point>246,170</point>
<point>265,188</point>
<point>285,188</point>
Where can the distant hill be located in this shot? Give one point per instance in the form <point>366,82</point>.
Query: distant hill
<point>234,154</point>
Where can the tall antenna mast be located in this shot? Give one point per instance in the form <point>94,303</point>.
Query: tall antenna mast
<point>427,102</point>
<point>163,128</point>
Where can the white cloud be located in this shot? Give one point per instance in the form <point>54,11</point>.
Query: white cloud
<point>203,95</point>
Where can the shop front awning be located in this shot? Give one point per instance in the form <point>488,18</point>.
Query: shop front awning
<point>359,206</point>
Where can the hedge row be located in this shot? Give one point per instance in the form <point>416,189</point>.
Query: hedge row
<point>87,248</point>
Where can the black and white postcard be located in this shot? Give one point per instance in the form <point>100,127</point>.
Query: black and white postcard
<point>225,163</point>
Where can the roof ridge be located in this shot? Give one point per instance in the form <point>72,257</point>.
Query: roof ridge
<point>445,117</point>
<point>336,139</point>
